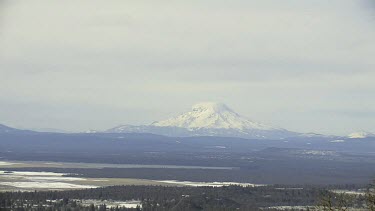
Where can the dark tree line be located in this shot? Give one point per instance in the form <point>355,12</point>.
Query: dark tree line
<point>171,198</point>
<point>182,198</point>
<point>330,201</point>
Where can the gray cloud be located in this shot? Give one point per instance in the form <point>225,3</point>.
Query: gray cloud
<point>277,62</point>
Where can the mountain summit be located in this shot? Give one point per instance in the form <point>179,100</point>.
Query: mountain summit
<point>208,119</point>
<point>211,115</point>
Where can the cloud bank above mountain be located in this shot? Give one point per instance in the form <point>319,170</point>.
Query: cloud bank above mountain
<point>305,66</point>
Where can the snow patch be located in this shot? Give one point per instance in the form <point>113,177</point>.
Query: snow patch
<point>337,141</point>
<point>361,134</point>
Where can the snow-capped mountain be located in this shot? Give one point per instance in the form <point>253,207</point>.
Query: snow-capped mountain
<point>208,119</point>
<point>212,115</point>
<point>361,134</point>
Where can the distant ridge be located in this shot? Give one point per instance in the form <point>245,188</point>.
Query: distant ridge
<point>361,135</point>
<point>5,129</point>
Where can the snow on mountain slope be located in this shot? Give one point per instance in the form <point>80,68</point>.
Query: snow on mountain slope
<point>128,129</point>
<point>208,119</point>
<point>212,115</point>
<point>361,134</point>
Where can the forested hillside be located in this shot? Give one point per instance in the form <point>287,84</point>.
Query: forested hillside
<point>176,198</point>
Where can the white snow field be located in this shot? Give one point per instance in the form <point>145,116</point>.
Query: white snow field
<point>29,173</point>
<point>207,184</point>
<point>46,185</point>
<point>3,163</point>
<point>39,180</point>
<point>111,203</point>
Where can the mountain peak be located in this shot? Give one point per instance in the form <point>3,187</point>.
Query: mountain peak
<point>208,119</point>
<point>210,106</point>
<point>211,115</point>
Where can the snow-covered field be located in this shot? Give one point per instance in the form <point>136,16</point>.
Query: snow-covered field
<point>29,173</point>
<point>349,192</point>
<point>207,184</point>
<point>33,180</point>
<point>3,163</point>
<point>30,180</point>
<point>111,203</point>
<point>45,185</point>
<point>39,180</point>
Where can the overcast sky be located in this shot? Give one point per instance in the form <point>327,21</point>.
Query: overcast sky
<point>306,66</point>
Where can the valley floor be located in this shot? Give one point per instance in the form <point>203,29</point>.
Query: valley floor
<point>17,179</point>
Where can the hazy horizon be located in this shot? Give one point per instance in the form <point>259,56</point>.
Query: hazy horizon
<point>300,65</point>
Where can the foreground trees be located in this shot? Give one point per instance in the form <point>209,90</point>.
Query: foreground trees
<point>331,201</point>
<point>194,198</point>
<point>370,196</point>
